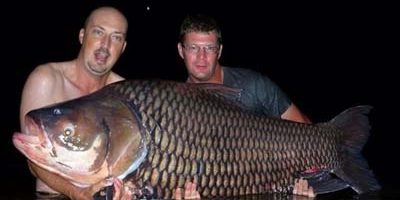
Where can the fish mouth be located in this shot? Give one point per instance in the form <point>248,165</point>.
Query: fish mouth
<point>33,142</point>
<point>31,133</point>
<point>32,126</point>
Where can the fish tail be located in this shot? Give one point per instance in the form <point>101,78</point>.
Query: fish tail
<point>355,170</point>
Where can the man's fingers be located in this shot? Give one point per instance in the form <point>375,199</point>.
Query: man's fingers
<point>302,188</point>
<point>120,191</point>
<point>117,189</point>
<point>311,192</point>
<point>190,191</point>
<point>177,193</point>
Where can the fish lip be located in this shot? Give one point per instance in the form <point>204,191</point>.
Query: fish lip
<point>35,128</point>
<point>31,126</point>
<point>29,136</point>
<point>32,137</point>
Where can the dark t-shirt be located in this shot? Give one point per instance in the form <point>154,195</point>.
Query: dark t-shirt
<point>258,93</point>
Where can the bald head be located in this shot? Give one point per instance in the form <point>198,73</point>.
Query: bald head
<point>107,16</point>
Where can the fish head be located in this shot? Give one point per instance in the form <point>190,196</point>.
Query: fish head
<point>83,138</point>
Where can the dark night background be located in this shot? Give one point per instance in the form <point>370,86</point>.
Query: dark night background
<point>326,56</point>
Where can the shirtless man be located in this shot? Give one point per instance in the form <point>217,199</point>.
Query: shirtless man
<point>103,41</point>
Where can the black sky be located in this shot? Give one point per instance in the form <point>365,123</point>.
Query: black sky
<point>326,56</point>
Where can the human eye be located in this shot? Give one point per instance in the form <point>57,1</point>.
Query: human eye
<point>192,48</point>
<point>211,49</point>
<point>118,38</point>
<point>97,32</point>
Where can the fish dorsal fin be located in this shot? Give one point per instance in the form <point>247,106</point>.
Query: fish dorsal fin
<point>229,95</point>
<point>222,91</point>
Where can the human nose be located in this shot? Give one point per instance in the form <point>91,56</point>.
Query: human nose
<point>202,52</point>
<point>106,41</point>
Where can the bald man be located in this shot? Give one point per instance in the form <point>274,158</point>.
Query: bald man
<point>103,40</point>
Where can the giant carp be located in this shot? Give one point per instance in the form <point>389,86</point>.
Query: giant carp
<point>156,135</point>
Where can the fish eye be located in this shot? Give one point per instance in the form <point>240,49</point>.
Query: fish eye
<point>69,130</point>
<point>57,111</point>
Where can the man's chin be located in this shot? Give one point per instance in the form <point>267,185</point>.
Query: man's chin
<point>203,76</point>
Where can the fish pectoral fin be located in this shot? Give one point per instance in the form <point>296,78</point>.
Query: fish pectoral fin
<point>325,182</point>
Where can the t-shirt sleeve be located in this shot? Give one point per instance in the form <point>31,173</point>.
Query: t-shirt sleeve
<point>259,92</point>
<point>273,100</point>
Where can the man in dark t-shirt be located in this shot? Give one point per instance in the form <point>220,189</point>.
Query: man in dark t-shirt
<point>200,47</point>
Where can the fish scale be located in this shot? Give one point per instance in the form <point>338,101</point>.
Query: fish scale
<point>201,133</point>
<point>250,132</point>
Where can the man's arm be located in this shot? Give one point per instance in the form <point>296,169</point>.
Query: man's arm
<point>38,92</point>
<point>60,184</point>
<point>294,114</point>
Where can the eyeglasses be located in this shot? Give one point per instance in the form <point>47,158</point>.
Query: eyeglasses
<point>193,48</point>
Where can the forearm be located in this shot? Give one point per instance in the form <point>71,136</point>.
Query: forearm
<point>60,184</point>
<point>294,114</point>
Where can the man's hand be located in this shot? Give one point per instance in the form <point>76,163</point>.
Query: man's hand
<point>302,188</point>
<point>189,192</point>
<point>121,192</point>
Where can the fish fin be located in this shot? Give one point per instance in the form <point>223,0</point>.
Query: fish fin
<point>130,138</point>
<point>227,94</point>
<point>359,177</point>
<point>355,170</point>
<point>324,182</point>
<point>220,90</point>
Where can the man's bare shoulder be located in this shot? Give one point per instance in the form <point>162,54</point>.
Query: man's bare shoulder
<point>114,77</point>
<point>42,82</point>
<point>40,88</point>
<point>51,68</point>
<point>47,73</point>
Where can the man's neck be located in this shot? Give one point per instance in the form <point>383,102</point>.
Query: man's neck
<point>85,82</point>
